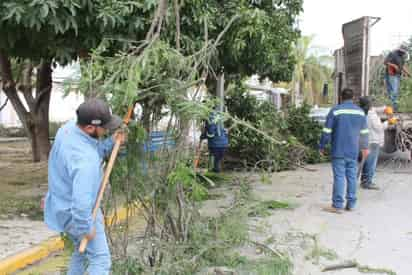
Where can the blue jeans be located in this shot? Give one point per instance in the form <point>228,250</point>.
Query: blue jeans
<point>97,254</point>
<point>392,86</point>
<point>344,168</point>
<point>369,167</point>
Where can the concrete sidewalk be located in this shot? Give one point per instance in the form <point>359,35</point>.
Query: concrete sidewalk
<point>24,242</point>
<point>20,234</point>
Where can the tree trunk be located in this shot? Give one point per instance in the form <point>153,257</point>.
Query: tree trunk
<point>39,130</point>
<point>35,118</point>
<point>38,133</point>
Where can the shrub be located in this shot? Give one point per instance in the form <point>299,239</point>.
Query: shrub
<point>297,131</point>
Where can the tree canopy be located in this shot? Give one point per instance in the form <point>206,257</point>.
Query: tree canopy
<point>63,30</point>
<point>253,37</point>
<point>260,40</point>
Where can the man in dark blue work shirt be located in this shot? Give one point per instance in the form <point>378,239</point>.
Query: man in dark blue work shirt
<point>346,128</point>
<point>217,139</point>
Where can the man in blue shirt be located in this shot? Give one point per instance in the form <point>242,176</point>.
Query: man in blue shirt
<point>346,128</point>
<point>75,174</point>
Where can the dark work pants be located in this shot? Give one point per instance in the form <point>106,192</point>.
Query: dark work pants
<point>218,154</point>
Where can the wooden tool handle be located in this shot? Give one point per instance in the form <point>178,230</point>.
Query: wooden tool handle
<point>197,156</point>
<point>113,156</point>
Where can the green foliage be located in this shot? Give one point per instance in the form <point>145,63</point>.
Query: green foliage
<point>259,41</point>
<point>377,84</point>
<point>157,78</point>
<point>265,208</point>
<point>244,38</point>
<point>187,177</point>
<point>244,142</point>
<point>405,100</point>
<point>22,207</point>
<point>266,266</point>
<point>212,242</point>
<point>298,133</point>
<point>62,30</point>
<point>127,266</point>
<point>305,130</point>
<point>158,74</point>
<point>310,73</point>
<point>218,178</point>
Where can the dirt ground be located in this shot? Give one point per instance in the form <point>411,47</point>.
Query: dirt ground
<point>22,184</point>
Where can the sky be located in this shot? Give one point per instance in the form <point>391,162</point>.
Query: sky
<point>324,19</point>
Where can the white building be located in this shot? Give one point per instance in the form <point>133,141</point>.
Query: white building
<point>264,91</point>
<point>62,106</point>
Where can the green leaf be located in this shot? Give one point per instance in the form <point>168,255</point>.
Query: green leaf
<point>74,26</point>
<point>44,11</point>
<point>73,10</point>
<point>18,17</point>
<point>32,21</point>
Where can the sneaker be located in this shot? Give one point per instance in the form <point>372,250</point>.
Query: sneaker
<point>350,209</point>
<point>332,209</point>
<point>370,187</point>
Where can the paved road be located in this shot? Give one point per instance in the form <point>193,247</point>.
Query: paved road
<point>378,234</point>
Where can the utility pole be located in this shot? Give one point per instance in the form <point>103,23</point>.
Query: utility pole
<point>220,89</point>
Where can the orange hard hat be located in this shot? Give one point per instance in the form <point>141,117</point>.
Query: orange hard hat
<point>388,110</point>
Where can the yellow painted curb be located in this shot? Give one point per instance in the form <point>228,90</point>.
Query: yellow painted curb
<point>30,256</point>
<point>41,251</point>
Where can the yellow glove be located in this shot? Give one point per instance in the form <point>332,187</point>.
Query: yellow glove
<point>392,121</point>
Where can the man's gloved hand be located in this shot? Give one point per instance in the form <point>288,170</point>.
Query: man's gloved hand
<point>120,134</point>
<point>392,121</point>
<point>91,235</point>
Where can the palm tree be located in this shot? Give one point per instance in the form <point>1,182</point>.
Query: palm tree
<point>310,74</point>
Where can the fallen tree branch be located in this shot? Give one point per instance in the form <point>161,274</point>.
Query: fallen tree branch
<point>4,104</point>
<point>350,264</point>
<point>267,248</point>
<point>308,169</point>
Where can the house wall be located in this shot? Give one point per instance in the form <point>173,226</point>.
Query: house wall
<point>62,108</point>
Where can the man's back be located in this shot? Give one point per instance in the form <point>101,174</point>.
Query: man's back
<point>72,151</point>
<point>346,128</point>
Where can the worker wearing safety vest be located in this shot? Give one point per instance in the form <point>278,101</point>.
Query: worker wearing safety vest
<point>217,139</point>
<point>346,128</point>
